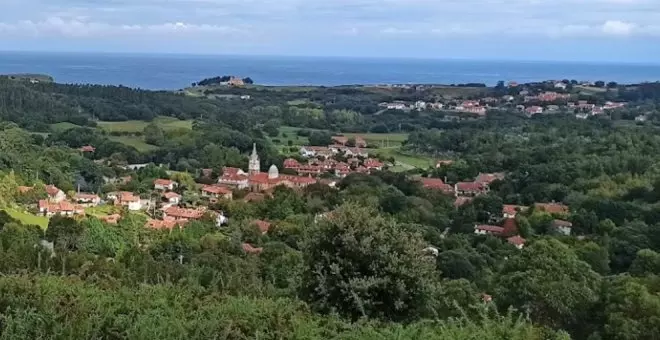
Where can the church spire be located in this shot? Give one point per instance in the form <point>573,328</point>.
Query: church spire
<point>254,166</point>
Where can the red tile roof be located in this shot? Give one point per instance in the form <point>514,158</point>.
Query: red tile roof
<point>291,163</point>
<point>489,178</point>
<point>250,249</point>
<point>216,189</point>
<point>436,183</point>
<point>510,226</point>
<point>184,213</point>
<point>163,182</point>
<point>512,209</point>
<point>87,148</point>
<point>52,190</point>
<point>262,225</point>
<point>170,195</point>
<point>470,186</point>
<point>516,240</point>
<point>85,197</point>
<point>490,228</point>
<point>163,224</point>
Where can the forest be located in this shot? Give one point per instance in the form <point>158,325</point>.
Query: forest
<point>378,256</point>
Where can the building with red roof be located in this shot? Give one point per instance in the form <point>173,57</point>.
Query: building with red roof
<point>55,194</point>
<point>483,229</point>
<point>470,188</point>
<point>291,163</point>
<point>510,227</point>
<point>262,225</point>
<point>183,213</point>
<point>510,211</point>
<point>87,148</point>
<point>517,241</point>
<point>164,184</point>
<point>63,208</point>
<point>250,249</point>
<point>436,184</point>
<point>172,197</point>
<point>88,200</point>
<point>217,191</point>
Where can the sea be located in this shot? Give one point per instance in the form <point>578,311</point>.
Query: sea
<point>177,71</point>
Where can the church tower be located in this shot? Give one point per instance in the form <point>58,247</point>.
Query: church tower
<point>254,167</point>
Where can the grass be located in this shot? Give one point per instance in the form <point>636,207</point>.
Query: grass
<point>133,126</point>
<point>381,139</point>
<point>416,161</point>
<point>137,142</point>
<point>27,218</point>
<point>63,126</point>
<point>102,210</point>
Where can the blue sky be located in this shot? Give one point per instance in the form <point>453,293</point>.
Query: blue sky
<point>582,30</point>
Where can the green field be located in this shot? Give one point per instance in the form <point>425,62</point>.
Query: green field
<point>135,141</point>
<point>63,126</point>
<point>132,126</point>
<point>102,210</point>
<point>381,139</point>
<point>27,218</point>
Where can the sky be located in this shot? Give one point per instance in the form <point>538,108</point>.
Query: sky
<point>571,30</point>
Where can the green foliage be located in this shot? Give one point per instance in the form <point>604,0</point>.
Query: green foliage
<point>362,265</point>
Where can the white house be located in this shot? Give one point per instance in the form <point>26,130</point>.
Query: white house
<point>55,194</point>
<point>89,200</point>
<point>563,227</point>
<point>164,184</point>
<point>172,198</point>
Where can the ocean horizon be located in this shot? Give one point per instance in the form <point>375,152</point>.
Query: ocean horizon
<point>176,71</point>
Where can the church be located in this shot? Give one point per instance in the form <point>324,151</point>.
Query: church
<point>257,181</point>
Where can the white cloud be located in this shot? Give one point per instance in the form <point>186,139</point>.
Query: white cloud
<point>619,28</point>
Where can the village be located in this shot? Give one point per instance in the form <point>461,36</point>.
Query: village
<point>550,97</point>
<point>165,209</point>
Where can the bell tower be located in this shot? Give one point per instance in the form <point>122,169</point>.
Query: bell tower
<point>254,166</point>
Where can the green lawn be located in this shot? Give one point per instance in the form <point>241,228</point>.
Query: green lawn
<point>381,139</point>
<point>132,126</point>
<point>135,141</point>
<point>63,126</point>
<point>27,218</point>
<point>102,210</point>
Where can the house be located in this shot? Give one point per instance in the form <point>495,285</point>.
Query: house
<point>640,118</point>
<point>373,164</point>
<point>55,194</point>
<point>470,188</point>
<point>443,162</point>
<point>111,219</point>
<point>291,163</point>
<point>87,200</point>
<point>172,198</point>
<point>262,225</point>
<point>126,199</point>
<point>63,208</point>
<point>532,110</point>
<point>314,151</point>
<point>245,97</point>
<point>560,86</point>
<point>164,184</point>
<point>238,181</point>
<point>250,249</point>
<point>183,213</point>
<point>563,227</point>
<point>517,241</point>
<point>436,184</point>
<point>236,82</point>
<point>420,105</point>
<point>551,208</point>
<point>87,148</point>
<point>488,178</point>
<point>508,98</point>
<point>217,191</point>
<point>483,229</point>
<point>510,211</point>
<point>340,139</point>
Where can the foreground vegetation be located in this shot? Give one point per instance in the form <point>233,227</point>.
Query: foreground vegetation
<point>351,262</point>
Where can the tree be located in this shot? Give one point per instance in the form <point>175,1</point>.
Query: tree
<point>153,134</point>
<point>360,264</point>
<point>65,232</point>
<point>320,138</point>
<point>548,280</point>
<point>631,311</point>
<point>599,83</point>
<point>647,262</point>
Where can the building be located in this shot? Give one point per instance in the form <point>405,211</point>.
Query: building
<point>443,162</point>
<point>533,110</point>
<point>55,194</point>
<point>262,225</point>
<point>163,224</point>
<point>87,148</point>
<point>87,200</point>
<point>126,199</point>
<point>375,164</point>
<point>516,241</point>
<point>183,214</point>
<point>217,191</point>
<point>436,184</point>
<point>63,208</point>
<point>470,188</point>
<point>510,211</point>
<point>483,229</point>
<point>488,178</point>
<point>563,227</point>
<point>164,184</point>
<point>291,163</point>
<point>172,198</point>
